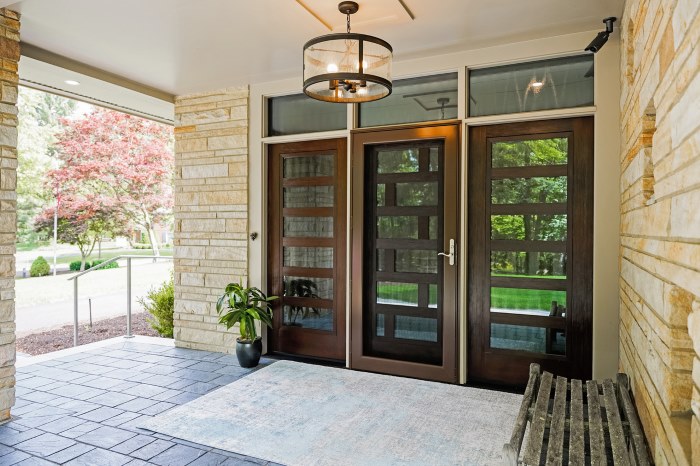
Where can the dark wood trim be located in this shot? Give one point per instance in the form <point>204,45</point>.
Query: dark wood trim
<point>299,340</point>
<point>448,324</point>
<point>495,365</point>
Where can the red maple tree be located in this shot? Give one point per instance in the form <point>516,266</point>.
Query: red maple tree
<point>120,163</point>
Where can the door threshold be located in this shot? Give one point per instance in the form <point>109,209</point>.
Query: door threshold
<point>305,359</point>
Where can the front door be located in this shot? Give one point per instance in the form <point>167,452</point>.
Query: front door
<point>530,249</point>
<point>306,247</point>
<point>404,248</point>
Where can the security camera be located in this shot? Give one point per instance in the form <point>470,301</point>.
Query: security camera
<point>602,37</point>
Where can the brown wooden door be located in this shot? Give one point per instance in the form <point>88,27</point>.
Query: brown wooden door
<point>306,248</point>
<point>530,249</point>
<point>405,212</point>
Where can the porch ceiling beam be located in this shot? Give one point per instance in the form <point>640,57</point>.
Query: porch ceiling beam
<point>46,56</point>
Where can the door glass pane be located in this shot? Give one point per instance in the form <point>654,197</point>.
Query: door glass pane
<point>305,287</point>
<point>303,167</point>
<point>529,227</point>
<point>308,227</point>
<point>529,190</point>
<point>433,296</point>
<point>308,196</point>
<point>425,98</point>
<point>416,194</point>
<point>398,160</point>
<point>397,227</point>
<point>416,261</point>
<point>527,301</point>
<point>403,294</point>
<point>308,317</point>
<point>533,339</point>
<point>528,264</point>
<point>313,257</point>
<point>416,328</point>
<point>525,87</point>
<point>380,325</point>
<point>530,152</point>
<point>298,113</point>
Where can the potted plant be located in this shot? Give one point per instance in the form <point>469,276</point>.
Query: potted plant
<point>243,306</point>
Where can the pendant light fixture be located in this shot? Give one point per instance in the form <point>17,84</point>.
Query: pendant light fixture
<point>347,67</point>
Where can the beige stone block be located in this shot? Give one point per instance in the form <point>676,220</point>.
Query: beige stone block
<point>227,142</point>
<point>237,225</point>
<point>207,116</point>
<point>202,225</point>
<point>205,171</point>
<point>190,145</point>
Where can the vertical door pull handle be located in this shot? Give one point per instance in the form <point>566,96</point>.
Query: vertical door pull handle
<point>451,255</point>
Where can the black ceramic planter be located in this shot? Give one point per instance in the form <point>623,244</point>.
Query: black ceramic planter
<point>248,353</point>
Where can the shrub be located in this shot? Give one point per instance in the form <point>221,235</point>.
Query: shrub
<point>39,268</point>
<point>160,303</point>
<point>75,265</point>
<point>141,245</point>
<point>111,265</point>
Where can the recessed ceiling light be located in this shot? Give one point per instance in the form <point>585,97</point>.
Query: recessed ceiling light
<point>537,84</point>
<point>71,82</point>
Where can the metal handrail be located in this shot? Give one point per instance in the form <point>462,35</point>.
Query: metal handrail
<point>128,290</point>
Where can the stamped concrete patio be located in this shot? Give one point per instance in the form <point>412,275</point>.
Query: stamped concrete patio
<point>82,406</point>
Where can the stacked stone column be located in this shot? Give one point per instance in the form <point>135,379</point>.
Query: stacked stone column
<point>9,58</point>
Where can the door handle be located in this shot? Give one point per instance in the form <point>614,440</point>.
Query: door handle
<point>451,255</point>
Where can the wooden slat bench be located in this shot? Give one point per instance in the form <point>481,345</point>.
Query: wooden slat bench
<point>571,422</point>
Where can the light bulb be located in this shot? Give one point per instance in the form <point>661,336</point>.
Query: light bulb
<point>362,90</point>
<point>332,68</point>
<point>537,84</point>
<point>71,82</point>
<point>364,65</point>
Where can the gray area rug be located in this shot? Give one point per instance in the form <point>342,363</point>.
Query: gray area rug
<point>303,414</point>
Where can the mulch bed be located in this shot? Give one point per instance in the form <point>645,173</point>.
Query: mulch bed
<point>54,340</point>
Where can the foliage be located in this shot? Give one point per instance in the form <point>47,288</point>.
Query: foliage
<point>82,221</point>
<point>141,245</point>
<point>239,305</point>
<point>76,265</point>
<point>39,268</point>
<point>121,158</point>
<point>39,120</point>
<point>160,303</point>
<point>303,288</point>
<point>111,265</point>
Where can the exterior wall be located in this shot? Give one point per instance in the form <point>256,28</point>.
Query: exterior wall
<point>211,212</point>
<point>9,58</point>
<point>660,228</point>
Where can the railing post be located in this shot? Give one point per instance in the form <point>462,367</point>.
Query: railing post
<point>75,312</point>
<point>128,297</point>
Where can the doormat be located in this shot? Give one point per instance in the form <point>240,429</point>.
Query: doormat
<point>302,414</point>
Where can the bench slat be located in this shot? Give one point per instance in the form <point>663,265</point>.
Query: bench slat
<point>595,425</point>
<point>537,423</point>
<point>640,452</point>
<point>512,448</point>
<point>576,434</point>
<point>555,445</point>
<point>617,434</point>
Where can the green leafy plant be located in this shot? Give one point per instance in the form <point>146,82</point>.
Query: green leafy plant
<point>160,303</point>
<point>75,265</point>
<point>240,305</point>
<point>39,268</point>
<point>111,265</point>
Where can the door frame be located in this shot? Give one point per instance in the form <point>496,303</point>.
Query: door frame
<point>316,341</point>
<point>450,133</point>
<point>579,318</point>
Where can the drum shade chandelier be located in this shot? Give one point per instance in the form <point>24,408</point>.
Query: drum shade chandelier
<point>347,67</point>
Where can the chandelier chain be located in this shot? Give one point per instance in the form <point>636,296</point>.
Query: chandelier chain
<point>348,20</point>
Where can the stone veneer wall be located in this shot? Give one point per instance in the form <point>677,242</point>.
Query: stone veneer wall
<point>660,229</point>
<point>211,212</point>
<point>9,58</point>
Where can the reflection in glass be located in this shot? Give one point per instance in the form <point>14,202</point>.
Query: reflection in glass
<point>303,167</point>
<point>425,98</point>
<point>533,339</point>
<point>528,301</point>
<point>415,261</point>
<point>308,317</point>
<point>433,295</point>
<point>434,159</point>
<point>308,227</point>
<point>308,196</point>
<point>312,257</point>
<point>304,287</point>
<point>397,227</point>
<point>417,194</point>
<point>402,294</point>
<point>530,152</point>
<point>380,325</point>
<point>415,328</point>
<point>298,113</point>
<point>529,190</point>
<point>538,85</point>
<point>398,160</point>
<point>533,227</point>
<point>528,264</point>
<point>381,195</point>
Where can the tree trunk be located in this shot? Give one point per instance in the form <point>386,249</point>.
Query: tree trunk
<point>153,240</point>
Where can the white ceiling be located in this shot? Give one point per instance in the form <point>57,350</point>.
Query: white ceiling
<point>186,46</point>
